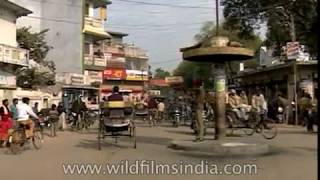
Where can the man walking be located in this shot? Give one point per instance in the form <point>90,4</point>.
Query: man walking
<point>200,100</point>
<point>161,108</point>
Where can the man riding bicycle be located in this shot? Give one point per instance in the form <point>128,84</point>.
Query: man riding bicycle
<point>24,112</point>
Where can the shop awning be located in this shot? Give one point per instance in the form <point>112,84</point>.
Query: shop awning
<point>96,33</point>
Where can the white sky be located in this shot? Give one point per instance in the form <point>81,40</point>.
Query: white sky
<point>160,30</point>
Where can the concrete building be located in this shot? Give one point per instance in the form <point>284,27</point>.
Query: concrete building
<point>11,56</point>
<point>74,26</point>
<point>127,67</point>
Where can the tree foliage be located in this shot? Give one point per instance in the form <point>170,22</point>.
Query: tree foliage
<point>160,73</point>
<point>38,49</point>
<point>247,15</point>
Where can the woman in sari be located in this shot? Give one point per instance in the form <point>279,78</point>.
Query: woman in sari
<point>5,121</point>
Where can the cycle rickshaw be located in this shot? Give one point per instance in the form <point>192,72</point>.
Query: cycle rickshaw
<point>115,121</point>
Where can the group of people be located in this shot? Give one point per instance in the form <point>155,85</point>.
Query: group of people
<point>22,114</point>
<point>239,104</point>
<point>16,114</point>
<point>154,107</point>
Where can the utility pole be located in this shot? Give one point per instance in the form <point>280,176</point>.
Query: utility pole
<point>217,17</point>
<point>292,28</point>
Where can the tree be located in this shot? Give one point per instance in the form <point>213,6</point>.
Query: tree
<point>203,70</point>
<point>38,49</point>
<point>247,15</point>
<point>160,73</point>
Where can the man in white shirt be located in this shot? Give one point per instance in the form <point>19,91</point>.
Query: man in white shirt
<point>24,112</point>
<point>161,108</point>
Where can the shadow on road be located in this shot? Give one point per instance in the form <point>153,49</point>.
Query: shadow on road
<point>123,142</point>
<point>106,143</point>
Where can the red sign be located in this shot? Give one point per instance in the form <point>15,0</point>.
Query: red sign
<point>114,74</point>
<point>158,82</point>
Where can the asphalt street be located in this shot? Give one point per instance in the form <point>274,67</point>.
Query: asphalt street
<point>293,156</point>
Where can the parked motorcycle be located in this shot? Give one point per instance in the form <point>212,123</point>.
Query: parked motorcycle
<point>280,115</point>
<point>176,117</point>
<point>47,122</point>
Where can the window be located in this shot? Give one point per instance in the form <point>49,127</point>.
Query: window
<point>87,48</point>
<point>87,9</point>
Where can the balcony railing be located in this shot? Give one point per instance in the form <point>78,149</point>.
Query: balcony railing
<point>135,52</point>
<point>14,55</point>
<point>93,22</point>
<point>95,61</point>
<point>114,50</point>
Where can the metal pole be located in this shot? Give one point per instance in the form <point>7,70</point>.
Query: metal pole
<point>217,17</point>
<point>292,28</point>
<point>220,100</point>
<point>295,92</point>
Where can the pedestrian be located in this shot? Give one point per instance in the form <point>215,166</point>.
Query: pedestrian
<point>13,109</point>
<point>54,118</point>
<point>78,107</point>
<point>5,121</point>
<point>152,109</point>
<point>36,108</point>
<point>62,119</point>
<point>305,106</point>
<point>200,100</point>
<point>161,108</point>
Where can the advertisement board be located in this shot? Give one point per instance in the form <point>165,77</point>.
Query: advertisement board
<point>135,75</point>
<point>114,74</point>
<point>174,80</point>
<point>292,50</point>
<point>93,76</point>
<point>7,80</point>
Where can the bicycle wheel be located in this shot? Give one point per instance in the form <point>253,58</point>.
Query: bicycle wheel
<point>100,135</point>
<point>133,135</point>
<point>250,129</point>
<point>16,140</point>
<point>37,139</point>
<point>269,129</point>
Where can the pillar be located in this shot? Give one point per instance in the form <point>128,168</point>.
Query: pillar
<point>220,98</point>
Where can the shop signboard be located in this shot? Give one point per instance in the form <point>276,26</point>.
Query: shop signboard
<point>174,80</point>
<point>114,74</point>
<point>7,80</point>
<point>136,75</point>
<point>292,50</point>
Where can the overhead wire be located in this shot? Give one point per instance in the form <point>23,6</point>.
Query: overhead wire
<point>164,4</point>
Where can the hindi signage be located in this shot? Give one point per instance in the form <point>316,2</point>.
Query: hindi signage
<point>114,74</point>
<point>174,80</point>
<point>136,75</point>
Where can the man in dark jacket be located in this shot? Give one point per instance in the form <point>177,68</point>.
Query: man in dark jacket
<point>78,106</point>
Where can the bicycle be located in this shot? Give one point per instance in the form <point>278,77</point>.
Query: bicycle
<point>257,123</point>
<point>18,138</point>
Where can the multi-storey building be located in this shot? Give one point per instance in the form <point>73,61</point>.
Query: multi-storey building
<point>74,27</point>
<point>11,56</point>
<point>126,66</point>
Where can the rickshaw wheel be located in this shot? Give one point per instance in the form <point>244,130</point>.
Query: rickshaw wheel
<point>134,137</point>
<point>99,136</point>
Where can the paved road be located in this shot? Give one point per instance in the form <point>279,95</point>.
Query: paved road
<point>293,156</point>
